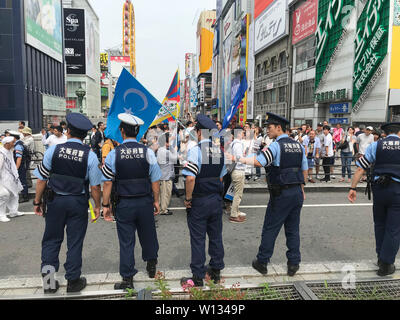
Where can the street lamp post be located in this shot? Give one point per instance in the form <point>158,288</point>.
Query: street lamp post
<point>80,93</point>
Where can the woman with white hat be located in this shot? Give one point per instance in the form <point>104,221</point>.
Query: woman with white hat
<point>10,185</point>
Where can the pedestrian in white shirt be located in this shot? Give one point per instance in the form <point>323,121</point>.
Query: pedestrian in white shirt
<point>57,138</point>
<point>167,156</point>
<point>328,155</point>
<point>238,177</point>
<point>10,184</point>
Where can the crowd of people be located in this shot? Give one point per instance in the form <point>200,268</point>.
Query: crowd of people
<point>324,146</point>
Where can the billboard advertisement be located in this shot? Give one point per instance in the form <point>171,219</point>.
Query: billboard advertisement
<point>74,39</point>
<point>330,33</point>
<point>228,22</point>
<point>370,48</point>
<point>92,48</point>
<point>205,40</point>
<point>117,63</point>
<point>260,6</point>
<point>250,73</point>
<point>305,21</point>
<point>271,25</point>
<point>395,64</point>
<point>188,64</point>
<point>43,27</point>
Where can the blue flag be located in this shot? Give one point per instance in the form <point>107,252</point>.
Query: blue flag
<point>131,97</point>
<point>236,102</point>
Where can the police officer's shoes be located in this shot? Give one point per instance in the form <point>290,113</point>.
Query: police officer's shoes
<point>151,268</point>
<point>196,281</point>
<point>215,274</point>
<point>76,285</point>
<point>385,269</point>
<point>292,269</point>
<point>260,267</point>
<point>127,283</point>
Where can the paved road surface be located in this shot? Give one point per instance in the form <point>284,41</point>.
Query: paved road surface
<point>328,233</point>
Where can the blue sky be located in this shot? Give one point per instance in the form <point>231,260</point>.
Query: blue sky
<point>165,31</point>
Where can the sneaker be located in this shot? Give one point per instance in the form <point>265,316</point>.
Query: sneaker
<point>256,178</point>
<point>4,219</point>
<point>16,214</point>
<point>237,219</point>
<point>333,177</point>
<point>167,213</point>
<point>311,180</point>
<point>242,214</point>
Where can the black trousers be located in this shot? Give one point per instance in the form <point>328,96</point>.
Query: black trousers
<point>327,162</point>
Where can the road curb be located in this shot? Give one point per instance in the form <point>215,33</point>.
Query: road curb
<point>231,273</point>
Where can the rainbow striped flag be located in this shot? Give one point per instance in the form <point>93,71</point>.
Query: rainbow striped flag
<point>171,102</point>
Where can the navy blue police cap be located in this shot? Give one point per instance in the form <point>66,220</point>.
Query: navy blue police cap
<point>394,124</point>
<point>204,122</point>
<point>79,122</point>
<point>273,118</point>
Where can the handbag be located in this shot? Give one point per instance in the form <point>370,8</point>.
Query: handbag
<point>343,145</point>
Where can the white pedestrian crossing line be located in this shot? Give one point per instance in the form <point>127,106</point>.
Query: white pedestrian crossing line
<point>325,205</point>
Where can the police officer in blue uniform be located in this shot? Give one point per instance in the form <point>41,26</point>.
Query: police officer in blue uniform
<point>383,158</point>
<point>20,157</point>
<point>133,171</point>
<point>204,173</point>
<point>64,176</point>
<point>286,176</point>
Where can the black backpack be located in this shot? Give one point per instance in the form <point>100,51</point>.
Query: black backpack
<point>26,154</point>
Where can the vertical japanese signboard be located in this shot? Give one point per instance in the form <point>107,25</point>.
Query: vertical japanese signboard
<point>332,19</point>
<point>371,47</point>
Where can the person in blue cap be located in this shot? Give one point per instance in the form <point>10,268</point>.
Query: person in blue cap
<point>383,158</point>
<point>203,185</point>
<point>67,170</point>
<point>286,175</point>
<point>131,175</point>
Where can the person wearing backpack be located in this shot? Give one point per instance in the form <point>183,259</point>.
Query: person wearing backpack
<point>21,158</point>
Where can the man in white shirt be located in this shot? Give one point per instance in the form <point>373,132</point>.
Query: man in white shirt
<point>57,138</point>
<point>364,140</point>
<point>238,177</point>
<point>166,157</point>
<point>10,184</point>
<point>327,154</point>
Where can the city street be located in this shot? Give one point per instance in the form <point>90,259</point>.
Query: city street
<point>331,230</point>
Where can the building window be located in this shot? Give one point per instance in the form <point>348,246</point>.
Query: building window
<point>258,73</point>
<point>282,94</point>
<point>282,60</point>
<point>274,66</point>
<point>305,55</point>
<point>266,71</point>
<point>304,92</point>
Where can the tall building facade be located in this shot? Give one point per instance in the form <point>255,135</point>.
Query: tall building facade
<point>82,49</point>
<point>32,73</point>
